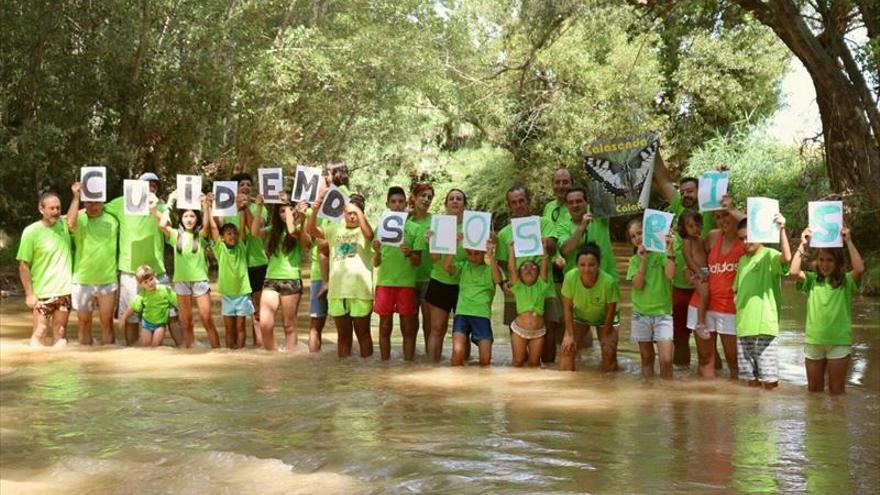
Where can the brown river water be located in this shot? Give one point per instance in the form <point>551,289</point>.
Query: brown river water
<point>122,420</point>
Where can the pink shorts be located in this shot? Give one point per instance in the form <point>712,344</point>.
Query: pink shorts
<point>390,300</point>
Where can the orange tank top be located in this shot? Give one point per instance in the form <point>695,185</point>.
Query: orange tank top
<point>722,274</point>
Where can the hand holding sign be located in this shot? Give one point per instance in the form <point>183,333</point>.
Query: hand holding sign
<point>476,227</point>
<point>826,223</point>
<point>762,225</point>
<point>655,229</point>
<point>391,228</point>
<point>527,236</point>
<point>712,187</point>
<point>442,236</point>
<point>93,182</point>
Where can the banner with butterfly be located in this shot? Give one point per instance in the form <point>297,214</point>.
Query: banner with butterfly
<point>620,173</point>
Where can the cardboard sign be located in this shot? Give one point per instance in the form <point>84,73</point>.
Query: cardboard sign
<point>135,195</point>
<point>712,187</point>
<point>476,227</point>
<point>225,193</point>
<point>306,184</point>
<point>444,239</point>
<point>620,173</point>
<point>526,236</point>
<point>826,222</point>
<point>655,228</point>
<point>271,182</point>
<point>761,227</point>
<point>333,206</point>
<point>189,192</point>
<point>391,228</point>
<point>93,182</point>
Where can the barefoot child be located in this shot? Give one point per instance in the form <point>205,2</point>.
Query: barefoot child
<point>651,274</point>
<point>758,289</point>
<point>233,279</point>
<point>478,277</point>
<point>690,228</point>
<point>190,279</point>
<point>529,286</point>
<point>829,289</point>
<point>152,304</point>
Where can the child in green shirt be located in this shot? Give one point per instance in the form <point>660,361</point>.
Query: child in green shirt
<point>529,286</point>
<point>758,287</point>
<point>651,274</point>
<point>829,289</point>
<point>152,303</point>
<point>233,280</point>
<point>478,276</point>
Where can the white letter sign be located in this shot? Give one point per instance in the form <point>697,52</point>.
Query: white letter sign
<point>527,236</point>
<point>271,184</point>
<point>476,226</point>
<point>443,240</point>
<point>94,184</point>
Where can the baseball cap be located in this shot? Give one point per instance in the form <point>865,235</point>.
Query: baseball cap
<point>149,176</point>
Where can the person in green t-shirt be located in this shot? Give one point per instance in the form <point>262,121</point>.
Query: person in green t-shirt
<point>758,289</point>
<point>589,299</point>
<point>556,211</point>
<point>285,241</point>
<point>350,296</point>
<point>96,237</point>
<point>651,274</point>
<point>45,268</point>
<point>529,284</point>
<point>478,276</point>
<point>190,280</point>
<point>153,303</point>
<point>829,289</point>
<point>233,279</point>
<point>420,200</point>
<point>396,280</point>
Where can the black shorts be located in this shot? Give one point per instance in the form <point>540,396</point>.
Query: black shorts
<point>444,296</point>
<point>257,276</point>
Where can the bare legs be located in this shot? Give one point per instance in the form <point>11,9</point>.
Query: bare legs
<point>837,370</point>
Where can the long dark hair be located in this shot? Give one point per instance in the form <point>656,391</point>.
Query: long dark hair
<point>278,228</point>
<point>839,274</point>
<point>176,219</point>
<point>683,218</point>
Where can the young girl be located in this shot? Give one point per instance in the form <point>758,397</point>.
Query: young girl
<point>285,241</point>
<point>651,274</point>
<point>190,279</point>
<point>152,303</point>
<point>589,298</point>
<point>690,228</point>
<point>350,296</point>
<point>829,289</point>
<point>420,200</point>
<point>479,275</point>
<point>528,284</point>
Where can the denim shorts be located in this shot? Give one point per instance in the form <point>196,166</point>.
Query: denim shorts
<point>317,305</point>
<point>236,305</point>
<point>651,328</point>
<point>151,327</point>
<point>476,327</point>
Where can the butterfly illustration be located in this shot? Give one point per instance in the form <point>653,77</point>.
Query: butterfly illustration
<point>623,179</point>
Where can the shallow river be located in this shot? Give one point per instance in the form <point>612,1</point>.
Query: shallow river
<point>101,420</point>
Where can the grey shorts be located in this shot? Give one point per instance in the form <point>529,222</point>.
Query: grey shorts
<point>85,297</point>
<point>128,290</point>
<point>758,358</point>
<point>651,328</point>
<point>194,289</point>
<point>284,287</point>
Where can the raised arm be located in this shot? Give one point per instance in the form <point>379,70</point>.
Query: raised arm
<point>365,226</point>
<point>727,203</point>
<point>312,224</point>
<point>662,181</point>
<point>512,273</point>
<point>490,257</point>
<point>571,244</point>
<point>300,220</point>
<point>542,273</point>
<point>447,264</point>
<point>213,229</point>
<point>670,257</point>
<point>73,211</point>
<point>162,217</point>
<point>858,265</point>
<point>207,202</point>
<point>783,240</point>
<point>796,260</point>
<point>257,222</point>
<point>639,279</point>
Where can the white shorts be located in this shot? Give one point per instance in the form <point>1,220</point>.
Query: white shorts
<point>651,328</point>
<point>128,290</point>
<point>194,289</point>
<point>85,297</point>
<point>722,323</point>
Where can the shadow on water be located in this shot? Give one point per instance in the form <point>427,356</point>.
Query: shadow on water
<point>93,420</point>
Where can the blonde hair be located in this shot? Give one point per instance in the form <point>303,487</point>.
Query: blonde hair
<point>143,273</point>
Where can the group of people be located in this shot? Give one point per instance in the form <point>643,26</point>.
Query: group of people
<point>709,282</point>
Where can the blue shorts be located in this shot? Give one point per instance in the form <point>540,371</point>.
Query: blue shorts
<point>236,305</point>
<point>317,305</point>
<point>476,327</point>
<point>151,327</point>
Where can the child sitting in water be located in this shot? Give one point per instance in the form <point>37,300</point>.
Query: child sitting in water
<point>478,276</point>
<point>528,284</point>
<point>690,227</point>
<point>829,289</point>
<point>152,303</point>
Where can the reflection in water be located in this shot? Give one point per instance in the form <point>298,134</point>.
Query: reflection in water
<point>156,421</point>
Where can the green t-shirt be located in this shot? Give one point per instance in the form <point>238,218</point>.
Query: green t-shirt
<point>676,207</point>
<point>351,275</point>
<point>589,303</point>
<point>441,275</point>
<point>255,248</point>
<point>153,305</point>
<point>530,298</point>
<point>758,288</point>
<point>96,241</point>
<point>284,266</point>
<point>46,250</point>
<point>505,235</point>
<point>599,232</point>
<point>829,310</point>
<point>314,254</point>
<point>556,213</point>
<point>232,277</point>
<point>476,289</point>
<point>140,240</point>
<point>423,272</point>
<point>655,298</point>
<point>189,265</point>
<point>396,270</point>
